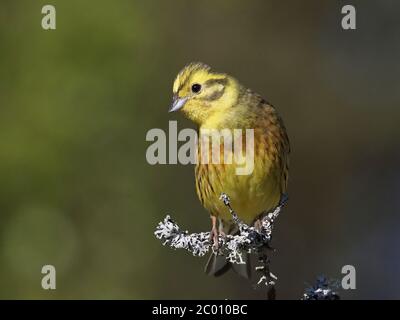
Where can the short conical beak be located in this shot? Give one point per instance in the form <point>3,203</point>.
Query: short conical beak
<point>177,103</point>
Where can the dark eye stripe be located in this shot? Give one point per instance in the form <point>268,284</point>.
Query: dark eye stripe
<point>211,82</point>
<point>214,95</point>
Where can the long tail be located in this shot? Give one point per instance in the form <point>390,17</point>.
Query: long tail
<point>218,265</point>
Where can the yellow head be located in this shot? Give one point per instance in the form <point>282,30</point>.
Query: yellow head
<point>202,94</point>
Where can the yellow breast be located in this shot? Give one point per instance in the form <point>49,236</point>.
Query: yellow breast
<point>251,194</point>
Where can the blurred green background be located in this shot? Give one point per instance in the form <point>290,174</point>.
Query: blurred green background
<point>76,103</point>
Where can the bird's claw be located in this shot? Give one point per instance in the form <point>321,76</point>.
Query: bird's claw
<point>214,238</point>
<point>258,225</point>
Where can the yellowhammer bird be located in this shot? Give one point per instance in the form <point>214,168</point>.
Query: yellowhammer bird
<point>218,101</point>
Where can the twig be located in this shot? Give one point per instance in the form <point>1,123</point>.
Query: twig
<point>248,240</point>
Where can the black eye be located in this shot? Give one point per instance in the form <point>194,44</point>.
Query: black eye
<point>196,88</point>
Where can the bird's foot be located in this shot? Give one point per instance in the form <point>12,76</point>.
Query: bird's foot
<point>214,234</point>
<point>214,238</point>
<point>258,225</point>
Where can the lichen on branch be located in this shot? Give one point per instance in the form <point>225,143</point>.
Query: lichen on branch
<point>249,239</point>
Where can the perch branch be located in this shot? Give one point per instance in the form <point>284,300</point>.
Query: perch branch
<point>248,240</point>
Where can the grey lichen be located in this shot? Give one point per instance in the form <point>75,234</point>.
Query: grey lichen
<point>324,289</point>
<point>248,240</point>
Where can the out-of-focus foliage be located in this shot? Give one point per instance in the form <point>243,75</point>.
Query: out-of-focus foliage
<point>76,103</point>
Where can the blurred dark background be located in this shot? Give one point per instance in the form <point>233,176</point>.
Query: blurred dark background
<point>76,103</point>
